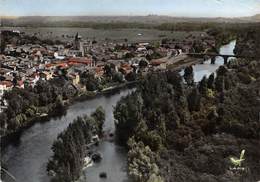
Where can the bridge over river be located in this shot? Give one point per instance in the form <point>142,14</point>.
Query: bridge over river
<point>213,56</point>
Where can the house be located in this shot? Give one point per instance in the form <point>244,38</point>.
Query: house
<point>46,75</point>
<point>81,60</point>
<point>34,78</point>
<point>20,84</point>
<point>126,68</point>
<point>74,77</point>
<point>141,49</point>
<point>57,56</point>
<point>74,53</point>
<point>143,44</point>
<point>99,71</point>
<point>158,64</point>
<point>116,63</point>
<point>5,86</point>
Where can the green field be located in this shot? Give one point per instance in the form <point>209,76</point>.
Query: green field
<point>101,34</point>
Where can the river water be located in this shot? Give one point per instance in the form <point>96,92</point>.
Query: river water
<point>201,70</point>
<point>26,159</point>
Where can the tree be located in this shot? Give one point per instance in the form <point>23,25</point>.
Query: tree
<point>219,83</point>
<point>88,79</point>
<point>210,83</point>
<point>59,105</point>
<point>108,70</point>
<point>99,116</point>
<point>127,115</point>
<point>142,165</point>
<point>129,55</point>
<point>3,120</point>
<point>188,75</point>
<point>70,147</point>
<point>155,178</point>
<point>222,70</point>
<point>131,76</point>
<point>175,79</point>
<point>194,100</point>
<point>203,86</point>
<point>118,77</point>
<point>143,64</point>
<point>154,140</point>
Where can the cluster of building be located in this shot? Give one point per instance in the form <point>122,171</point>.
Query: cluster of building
<point>24,65</point>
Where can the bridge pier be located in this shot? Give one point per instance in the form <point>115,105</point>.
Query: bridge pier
<point>204,59</point>
<point>213,56</point>
<point>212,60</point>
<point>225,59</point>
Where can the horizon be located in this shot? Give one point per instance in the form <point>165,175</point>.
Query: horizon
<point>171,8</point>
<point>169,16</point>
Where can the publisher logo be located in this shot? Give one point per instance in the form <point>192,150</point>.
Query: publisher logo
<point>237,162</point>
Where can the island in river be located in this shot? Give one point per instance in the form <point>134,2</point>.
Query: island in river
<point>27,157</point>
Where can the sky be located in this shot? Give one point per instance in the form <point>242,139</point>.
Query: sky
<point>184,8</point>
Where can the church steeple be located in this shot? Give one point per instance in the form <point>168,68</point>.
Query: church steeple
<point>77,36</point>
<point>76,45</point>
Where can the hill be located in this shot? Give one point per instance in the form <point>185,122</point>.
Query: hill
<point>150,19</point>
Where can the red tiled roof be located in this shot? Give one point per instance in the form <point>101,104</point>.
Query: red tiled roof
<point>157,62</point>
<point>79,61</point>
<point>49,65</point>
<point>6,83</point>
<point>34,75</point>
<point>126,67</point>
<point>20,83</point>
<point>60,64</point>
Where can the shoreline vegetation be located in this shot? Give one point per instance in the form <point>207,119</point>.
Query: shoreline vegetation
<point>73,147</point>
<point>44,117</point>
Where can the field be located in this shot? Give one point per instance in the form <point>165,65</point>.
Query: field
<point>133,35</point>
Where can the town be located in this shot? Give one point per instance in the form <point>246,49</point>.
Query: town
<point>88,65</point>
<point>129,91</point>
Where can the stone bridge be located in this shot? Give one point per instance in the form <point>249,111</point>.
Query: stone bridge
<point>213,56</point>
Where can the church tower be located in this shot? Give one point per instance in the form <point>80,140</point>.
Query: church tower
<point>76,44</point>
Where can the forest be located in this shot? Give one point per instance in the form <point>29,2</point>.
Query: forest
<point>179,130</point>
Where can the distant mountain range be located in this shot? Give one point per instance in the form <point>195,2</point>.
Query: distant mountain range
<point>150,19</point>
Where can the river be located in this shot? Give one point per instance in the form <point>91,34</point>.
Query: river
<point>206,68</point>
<point>26,159</point>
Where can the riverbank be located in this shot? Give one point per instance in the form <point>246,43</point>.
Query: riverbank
<point>177,65</point>
<point>181,64</point>
<point>27,155</point>
<point>5,139</point>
